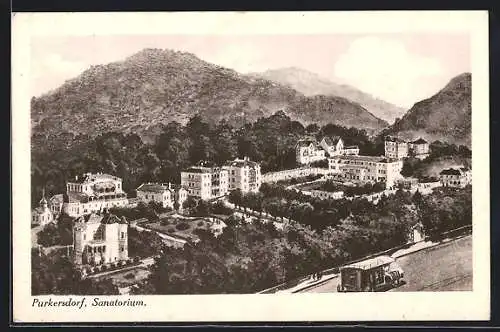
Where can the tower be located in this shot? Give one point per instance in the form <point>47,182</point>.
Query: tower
<point>44,205</point>
<point>123,239</point>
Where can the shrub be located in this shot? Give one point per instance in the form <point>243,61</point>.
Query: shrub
<point>200,223</point>
<point>137,259</point>
<point>129,276</point>
<point>104,268</point>
<point>182,226</point>
<point>171,230</point>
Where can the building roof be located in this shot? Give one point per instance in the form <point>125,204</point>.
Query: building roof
<point>39,210</point>
<point>352,166</point>
<point>94,177</point>
<point>197,169</point>
<point>451,171</point>
<point>371,263</point>
<point>376,159</point>
<point>420,141</point>
<point>59,198</point>
<point>305,142</point>
<point>75,197</point>
<point>394,139</point>
<point>331,140</point>
<point>105,218</point>
<point>242,163</point>
<point>153,187</point>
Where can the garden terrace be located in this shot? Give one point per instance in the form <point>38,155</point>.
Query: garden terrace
<point>180,227</point>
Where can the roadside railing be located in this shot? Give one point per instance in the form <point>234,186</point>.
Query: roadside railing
<point>457,232</point>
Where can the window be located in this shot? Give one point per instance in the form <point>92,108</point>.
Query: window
<point>122,235</point>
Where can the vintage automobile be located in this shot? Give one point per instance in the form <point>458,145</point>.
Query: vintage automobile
<point>377,274</point>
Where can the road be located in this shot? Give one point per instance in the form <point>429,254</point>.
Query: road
<point>446,267</point>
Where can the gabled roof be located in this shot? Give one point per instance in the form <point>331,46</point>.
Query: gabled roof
<point>40,210</point>
<point>331,140</point>
<point>305,142</point>
<point>106,218</point>
<point>75,197</point>
<point>420,141</point>
<point>59,198</point>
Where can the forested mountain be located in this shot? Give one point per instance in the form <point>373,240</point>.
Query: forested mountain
<point>445,116</point>
<point>311,84</point>
<point>154,87</point>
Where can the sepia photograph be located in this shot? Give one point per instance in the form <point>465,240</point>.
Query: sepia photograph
<point>282,164</point>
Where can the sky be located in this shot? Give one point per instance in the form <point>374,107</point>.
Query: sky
<point>399,68</point>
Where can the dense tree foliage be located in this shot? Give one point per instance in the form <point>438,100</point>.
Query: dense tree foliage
<point>440,153</point>
<point>270,141</point>
<point>55,274</point>
<point>58,233</point>
<point>249,257</point>
<point>143,243</point>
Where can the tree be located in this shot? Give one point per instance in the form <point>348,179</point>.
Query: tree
<point>236,197</point>
<point>190,203</point>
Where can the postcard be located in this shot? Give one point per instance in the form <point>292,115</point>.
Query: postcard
<point>250,166</point>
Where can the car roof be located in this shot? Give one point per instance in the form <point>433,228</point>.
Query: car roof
<point>370,263</point>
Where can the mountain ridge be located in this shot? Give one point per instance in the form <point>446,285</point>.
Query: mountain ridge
<point>311,84</point>
<point>153,87</point>
<point>446,115</point>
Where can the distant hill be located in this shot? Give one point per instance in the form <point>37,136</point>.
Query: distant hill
<point>154,87</point>
<point>445,116</point>
<point>311,84</point>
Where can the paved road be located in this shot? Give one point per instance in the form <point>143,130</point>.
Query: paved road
<point>446,267</point>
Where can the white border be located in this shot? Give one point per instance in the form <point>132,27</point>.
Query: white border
<point>473,305</point>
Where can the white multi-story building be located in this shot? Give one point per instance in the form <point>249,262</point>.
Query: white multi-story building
<point>42,215</point>
<point>362,169</point>
<point>244,174</point>
<point>100,239</point>
<point>308,151</point>
<point>419,148</point>
<point>334,146</point>
<point>457,177</point>
<point>164,193</point>
<point>93,193</point>
<point>395,148</point>
<point>205,182</point>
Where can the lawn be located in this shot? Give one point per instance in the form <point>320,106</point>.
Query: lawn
<point>323,185</point>
<point>128,277</point>
<point>179,227</point>
<point>333,186</point>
